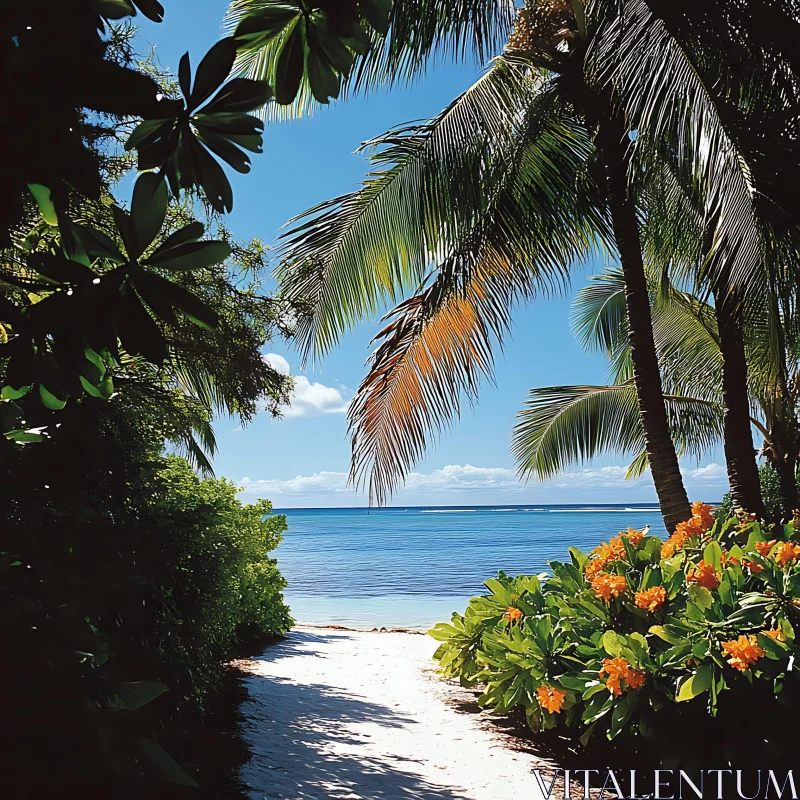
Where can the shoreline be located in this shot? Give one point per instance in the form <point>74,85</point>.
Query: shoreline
<point>382,629</point>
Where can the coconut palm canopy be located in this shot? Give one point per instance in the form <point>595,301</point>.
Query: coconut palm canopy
<point>594,118</point>
<point>494,200</point>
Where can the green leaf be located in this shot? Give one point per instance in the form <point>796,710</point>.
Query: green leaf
<point>192,306</point>
<point>90,388</point>
<point>96,244</point>
<point>376,12</point>
<point>620,715</point>
<point>185,76</point>
<point>324,81</point>
<point>114,9</point>
<point>266,24</point>
<point>50,401</point>
<point>189,233</point>
<point>45,202</point>
<point>238,95</point>
<point>55,267</point>
<point>212,71</point>
<point>290,65</point>
<point>340,58</point>
<point>23,437</point>
<point>696,684</point>
<point>132,695</point>
<point>663,633</point>
<point>191,256</point>
<point>225,149</point>
<point>138,331</point>
<point>613,644</point>
<point>147,132</point>
<point>700,596</point>
<point>148,210</point>
<point>713,555</point>
<point>498,590</point>
<point>773,649</point>
<point>158,760</point>
<point>211,178</point>
<point>9,393</point>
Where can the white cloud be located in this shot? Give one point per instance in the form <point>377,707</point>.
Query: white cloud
<point>711,474</point>
<point>465,484</point>
<point>278,363</point>
<point>320,483</point>
<point>310,399</point>
<point>313,399</point>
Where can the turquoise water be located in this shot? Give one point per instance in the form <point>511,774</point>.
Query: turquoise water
<point>412,567</point>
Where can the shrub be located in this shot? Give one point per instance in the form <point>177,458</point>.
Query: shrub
<point>658,643</point>
<point>213,585</point>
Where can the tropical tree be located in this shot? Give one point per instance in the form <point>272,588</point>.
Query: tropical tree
<point>442,192</point>
<point>532,150</point>
<point>565,424</point>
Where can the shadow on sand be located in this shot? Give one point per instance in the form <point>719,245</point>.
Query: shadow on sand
<point>304,721</point>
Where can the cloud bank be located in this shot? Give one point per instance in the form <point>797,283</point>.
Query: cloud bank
<point>466,484</point>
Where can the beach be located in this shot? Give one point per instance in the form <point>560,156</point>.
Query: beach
<point>358,715</point>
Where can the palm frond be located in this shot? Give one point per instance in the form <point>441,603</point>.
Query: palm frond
<point>422,34</point>
<point>350,256</point>
<point>565,425</point>
<point>598,317</point>
<point>439,343</point>
<point>665,94</point>
<point>415,382</point>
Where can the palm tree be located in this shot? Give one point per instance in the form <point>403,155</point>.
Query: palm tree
<point>566,424</point>
<point>523,175</point>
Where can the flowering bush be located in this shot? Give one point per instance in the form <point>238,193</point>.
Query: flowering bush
<point>641,635</point>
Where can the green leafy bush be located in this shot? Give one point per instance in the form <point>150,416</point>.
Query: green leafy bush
<point>213,585</point>
<point>658,643</point>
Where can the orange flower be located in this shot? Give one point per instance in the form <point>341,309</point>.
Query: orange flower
<point>703,575</point>
<point>702,519</point>
<point>727,559</point>
<point>743,652</point>
<point>512,614</point>
<point>603,552</point>
<point>634,536</point>
<point>787,553</point>
<point>677,540</point>
<point>651,599</point>
<point>764,547</point>
<point>752,566</point>
<point>668,548</point>
<point>617,547</point>
<point>618,670</point>
<point>608,586</point>
<point>550,698</point>
<point>778,635</point>
<point>703,514</point>
<point>635,679</point>
<point>593,566</point>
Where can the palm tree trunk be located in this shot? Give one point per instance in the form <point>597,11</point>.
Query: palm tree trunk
<point>611,140</point>
<point>740,455</point>
<point>787,481</point>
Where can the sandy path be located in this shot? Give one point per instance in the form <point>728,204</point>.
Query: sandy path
<point>344,714</point>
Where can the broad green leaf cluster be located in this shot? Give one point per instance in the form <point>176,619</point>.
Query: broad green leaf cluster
<point>641,639</point>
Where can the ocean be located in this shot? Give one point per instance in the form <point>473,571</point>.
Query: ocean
<point>412,567</point>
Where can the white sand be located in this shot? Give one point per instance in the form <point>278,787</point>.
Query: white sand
<point>345,714</point>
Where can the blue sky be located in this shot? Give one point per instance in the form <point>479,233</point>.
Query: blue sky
<point>302,460</point>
